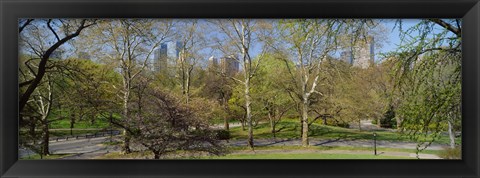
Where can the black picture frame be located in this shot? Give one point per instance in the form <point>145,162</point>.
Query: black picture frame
<point>11,11</point>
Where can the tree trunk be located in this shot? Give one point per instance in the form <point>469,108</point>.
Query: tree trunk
<point>32,123</point>
<point>226,125</point>
<point>42,66</point>
<point>189,75</point>
<point>305,123</point>
<point>187,89</point>
<point>46,108</point>
<point>46,137</point>
<point>274,131</point>
<point>249,114</point>
<point>451,134</point>
<point>272,124</point>
<point>72,123</point>
<point>359,124</point>
<point>156,154</point>
<point>399,122</point>
<point>126,143</point>
<point>243,124</point>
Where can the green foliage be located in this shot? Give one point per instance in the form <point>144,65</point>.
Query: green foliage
<point>433,96</point>
<point>222,134</point>
<point>165,125</point>
<point>296,65</point>
<point>307,156</point>
<point>451,153</point>
<point>358,94</point>
<point>428,75</point>
<point>388,119</point>
<point>112,143</point>
<point>52,156</point>
<point>82,124</point>
<point>337,123</point>
<point>292,128</point>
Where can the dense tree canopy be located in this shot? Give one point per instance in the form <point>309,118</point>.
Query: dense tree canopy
<point>103,71</point>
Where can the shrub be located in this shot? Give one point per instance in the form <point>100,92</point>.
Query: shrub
<point>451,153</point>
<point>165,125</point>
<point>343,124</point>
<point>388,119</point>
<point>337,123</point>
<point>222,134</point>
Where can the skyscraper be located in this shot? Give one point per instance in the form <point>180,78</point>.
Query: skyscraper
<point>166,56</point>
<point>347,56</point>
<point>212,61</point>
<point>228,65</point>
<point>361,55</point>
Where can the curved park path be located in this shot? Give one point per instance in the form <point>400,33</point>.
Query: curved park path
<point>335,142</point>
<point>363,152</point>
<point>95,147</point>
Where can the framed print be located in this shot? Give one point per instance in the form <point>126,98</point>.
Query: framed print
<point>239,88</point>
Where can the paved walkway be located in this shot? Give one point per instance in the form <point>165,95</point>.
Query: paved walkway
<point>94,147</point>
<point>230,125</point>
<point>384,153</point>
<point>85,148</point>
<point>368,126</point>
<point>334,142</point>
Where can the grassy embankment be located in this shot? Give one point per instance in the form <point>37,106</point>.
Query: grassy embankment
<point>288,152</point>
<point>52,156</point>
<point>320,131</point>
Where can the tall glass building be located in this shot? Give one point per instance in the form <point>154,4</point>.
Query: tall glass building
<point>361,55</point>
<point>166,56</point>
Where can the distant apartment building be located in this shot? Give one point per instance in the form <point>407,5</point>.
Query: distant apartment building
<point>166,56</point>
<point>361,55</point>
<point>228,65</point>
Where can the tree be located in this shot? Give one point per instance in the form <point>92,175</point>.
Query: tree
<point>309,42</point>
<point>35,39</point>
<point>193,41</point>
<point>39,39</point>
<point>238,37</point>
<point>130,44</point>
<point>271,90</point>
<point>359,98</point>
<point>429,61</point>
<point>86,91</point>
<point>330,106</point>
<point>218,86</point>
<point>41,103</point>
<point>164,125</point>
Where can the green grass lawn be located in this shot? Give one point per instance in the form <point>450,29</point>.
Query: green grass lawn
<point>52,156</point>
<point>305,156</point>
<point>148,155</point>
<point>65,124</point>
<point>323,148</point>
<point>292,130</point>
<point>288,152</point>
<point>63,133</point>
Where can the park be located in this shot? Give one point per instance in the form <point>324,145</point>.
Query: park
<point>240,89</point>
